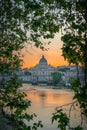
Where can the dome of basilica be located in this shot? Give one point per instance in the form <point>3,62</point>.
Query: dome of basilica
<point>43,60</point>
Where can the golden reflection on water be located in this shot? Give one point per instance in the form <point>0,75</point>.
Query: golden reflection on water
<point>45,100</point>
<point>49,98</point>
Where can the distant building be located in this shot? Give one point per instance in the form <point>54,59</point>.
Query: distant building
<point>70,74</point>
<point>42,72</point>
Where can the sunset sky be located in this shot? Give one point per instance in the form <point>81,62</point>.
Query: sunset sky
<point>32,54</point>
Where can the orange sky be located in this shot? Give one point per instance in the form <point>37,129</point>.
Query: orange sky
<point>32,54</point>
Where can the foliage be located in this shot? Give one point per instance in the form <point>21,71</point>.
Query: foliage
<point>20,21</point>
<point>73,18</point>
<point>56,77</point>
<point>61,118</point>
<point>80,95</point>
<point>14,105</point>
<point>63,121</point>
<point>71,79</point>
<point>75,34</point>
<point>16,19</point>
<point>27,21</point>
<point>80,100</point>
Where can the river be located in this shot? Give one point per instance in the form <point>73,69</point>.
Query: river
<point>45,100</point>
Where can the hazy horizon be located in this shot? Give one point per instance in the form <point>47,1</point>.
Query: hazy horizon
<point>53,55</point>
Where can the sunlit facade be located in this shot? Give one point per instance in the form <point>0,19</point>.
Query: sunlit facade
<point>42,71</point>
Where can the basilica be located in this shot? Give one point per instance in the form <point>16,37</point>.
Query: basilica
<point>42,72</point>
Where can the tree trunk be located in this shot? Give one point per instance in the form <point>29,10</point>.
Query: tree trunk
<point>85,49</point>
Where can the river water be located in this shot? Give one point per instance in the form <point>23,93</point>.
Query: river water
<point>45,100</point>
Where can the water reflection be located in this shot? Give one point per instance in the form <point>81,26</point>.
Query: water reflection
<point>43,97</point>
<point>45,101</point>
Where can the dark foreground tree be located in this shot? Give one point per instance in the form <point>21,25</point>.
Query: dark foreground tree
<point>73,16</point>
<point>28,21</point>
<point>20,21</point>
